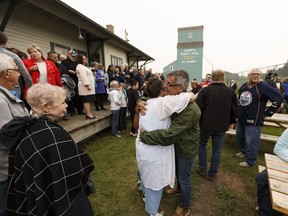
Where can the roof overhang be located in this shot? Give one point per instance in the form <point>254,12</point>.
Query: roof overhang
<point>66,15</point>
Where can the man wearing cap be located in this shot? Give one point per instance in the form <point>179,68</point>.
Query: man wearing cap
<point>76,101</point>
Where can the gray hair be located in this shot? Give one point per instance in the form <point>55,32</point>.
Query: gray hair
<point>6,62</point>
<point>181,77</point>
<point>113,83</point>
<point>254,70</point>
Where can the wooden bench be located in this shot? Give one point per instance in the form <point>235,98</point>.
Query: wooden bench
<point>274,124</point>
<point>277,170</point>
<point>264,137</point>
<point>279,119</point>
<point>261,168</point>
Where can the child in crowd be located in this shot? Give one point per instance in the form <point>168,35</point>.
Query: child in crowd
<point>114,98</point>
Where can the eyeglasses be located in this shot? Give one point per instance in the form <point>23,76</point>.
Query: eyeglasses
<point>169,84</point>
<point>11,70</point>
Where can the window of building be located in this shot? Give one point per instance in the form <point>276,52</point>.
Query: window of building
<point>116,61</point>
<point>58,48</point>
<point>61,49</point>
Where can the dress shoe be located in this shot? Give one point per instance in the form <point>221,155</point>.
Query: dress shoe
<point>97,109</point>
<point>103,108</point>
<point>90,117</point>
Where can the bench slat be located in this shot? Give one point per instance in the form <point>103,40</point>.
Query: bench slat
<point>265,137</point>
<point>279,186</point>
<point>279,201</point>
<point>261,168</point>
<point>274,174</point>
<point>274,158</point>
<point>277,166</point>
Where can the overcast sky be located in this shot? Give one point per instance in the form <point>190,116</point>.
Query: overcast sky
<point>238,35</point>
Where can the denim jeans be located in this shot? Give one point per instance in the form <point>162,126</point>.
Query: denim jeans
<point>263,194</point>
<point>152,199</point>
<point>115,117</point>
<point>183,171</point>
<point>217,143</point>
<point>248,137</point>
<point>3,196</point>
<point>122,118</point>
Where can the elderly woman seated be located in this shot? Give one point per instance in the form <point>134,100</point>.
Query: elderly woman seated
<point>48,172</point>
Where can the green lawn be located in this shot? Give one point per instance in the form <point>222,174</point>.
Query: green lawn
<point>115,176</point>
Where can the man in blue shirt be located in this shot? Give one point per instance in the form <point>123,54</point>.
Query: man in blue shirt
<point>253,97</point>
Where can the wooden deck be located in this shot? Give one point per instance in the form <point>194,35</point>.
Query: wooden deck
<point>81,128</point>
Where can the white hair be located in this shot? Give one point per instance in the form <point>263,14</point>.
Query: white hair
<point>5,62</point>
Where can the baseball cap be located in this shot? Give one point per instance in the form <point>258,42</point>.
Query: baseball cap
<point>73,53</point>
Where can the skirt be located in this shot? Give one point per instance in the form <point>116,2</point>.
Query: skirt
<point>88,98</point>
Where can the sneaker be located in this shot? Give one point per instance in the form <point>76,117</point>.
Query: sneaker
<point>139,185</point>
<point>240,154</point>
<point>157,214</point>
<point>117,135</point>
<point>173,191</point>
<point>245,164</point>
<point>181,211</point>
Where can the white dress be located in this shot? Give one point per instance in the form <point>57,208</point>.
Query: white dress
<point>156,163</point>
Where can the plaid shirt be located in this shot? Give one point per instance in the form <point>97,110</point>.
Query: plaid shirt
<point>46,168</point>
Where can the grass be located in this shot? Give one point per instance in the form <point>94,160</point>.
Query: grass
<point>115,176</point>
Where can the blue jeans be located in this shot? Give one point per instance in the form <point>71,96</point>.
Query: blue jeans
<point>122,118</point>
<point>217,143</point>
<point>3,197</point>
<point>183,170</point>
<point>152,199</point>
<point>115,117</point>
<point>248,137</point>
<point>263,194</point>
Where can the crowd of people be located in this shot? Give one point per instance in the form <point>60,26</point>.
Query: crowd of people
<point>216,108</point>
<point>35,92</point>
<point>44,172</point>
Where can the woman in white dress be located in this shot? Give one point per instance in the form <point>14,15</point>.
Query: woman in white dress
<point>156,164</point>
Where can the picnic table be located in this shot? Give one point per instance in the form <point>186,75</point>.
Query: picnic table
<point>279,119</point>
<point>277,170</point>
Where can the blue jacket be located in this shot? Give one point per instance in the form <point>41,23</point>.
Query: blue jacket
<point>253,100</point>
<point>285,84</point>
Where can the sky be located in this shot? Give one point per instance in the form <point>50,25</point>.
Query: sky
<point>238,35</point>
